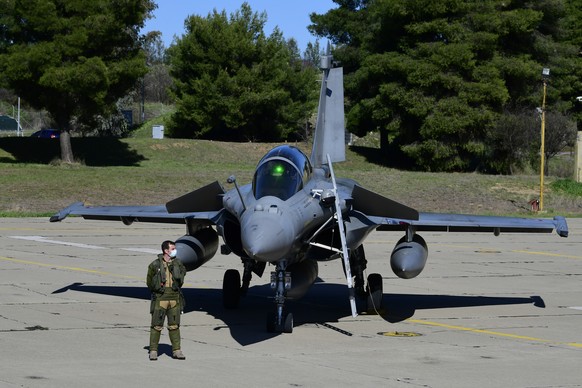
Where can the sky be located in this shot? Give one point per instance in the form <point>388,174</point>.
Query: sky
<point>291,16</point>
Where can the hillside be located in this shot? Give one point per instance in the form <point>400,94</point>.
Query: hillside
<point>147,171</point>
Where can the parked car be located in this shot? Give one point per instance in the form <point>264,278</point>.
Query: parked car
<point>47,134</point>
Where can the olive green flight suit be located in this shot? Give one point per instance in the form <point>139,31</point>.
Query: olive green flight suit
<point>165,280</point>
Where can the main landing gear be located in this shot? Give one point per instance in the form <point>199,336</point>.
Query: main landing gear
<point>370,297</point>
<point>232,289</point>
<point>374,294</point>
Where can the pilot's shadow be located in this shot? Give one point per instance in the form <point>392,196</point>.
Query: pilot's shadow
<point>163,348</point>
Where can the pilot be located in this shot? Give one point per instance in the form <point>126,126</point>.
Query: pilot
<point>164,279</point>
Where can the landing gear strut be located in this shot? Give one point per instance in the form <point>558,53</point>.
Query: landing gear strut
<point>375,293</point>
<point>280,321</point>
<point>370,296</point>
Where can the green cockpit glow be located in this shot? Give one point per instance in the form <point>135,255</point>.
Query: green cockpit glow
<point>278,170</point>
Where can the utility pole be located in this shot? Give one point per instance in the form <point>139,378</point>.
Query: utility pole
<point>545,76</point>
<point>18,128</point>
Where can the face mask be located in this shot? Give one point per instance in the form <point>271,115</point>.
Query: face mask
<point>173,253</point>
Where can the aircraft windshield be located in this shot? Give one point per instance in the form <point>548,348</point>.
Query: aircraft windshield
<point>281,173</point>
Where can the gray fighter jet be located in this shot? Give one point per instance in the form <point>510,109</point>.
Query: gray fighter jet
<point>295,213</point>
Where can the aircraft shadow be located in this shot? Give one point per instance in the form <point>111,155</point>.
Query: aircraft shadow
<point>324,303</point>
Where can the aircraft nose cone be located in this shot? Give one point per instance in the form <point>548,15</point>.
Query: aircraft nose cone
<point>267,236</point>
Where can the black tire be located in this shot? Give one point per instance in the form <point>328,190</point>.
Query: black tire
<point>231,289</point>
<point>288,323</point>
<point>375,293</point>
<point>271,322</point>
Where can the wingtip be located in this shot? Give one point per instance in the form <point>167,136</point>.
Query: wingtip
<point>62,214</point>
<point>561,226</point>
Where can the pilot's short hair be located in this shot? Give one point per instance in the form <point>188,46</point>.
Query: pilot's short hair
<point>166,245</point>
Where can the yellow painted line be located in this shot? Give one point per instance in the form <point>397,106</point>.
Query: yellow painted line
<point>548,254</point>
<point>76,269</point>
<point>493,333</point>
<point>488,250</point>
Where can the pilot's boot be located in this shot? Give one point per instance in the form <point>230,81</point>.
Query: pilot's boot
<point>154,340</point>
<point>178,355</point>
<point>175,340</point>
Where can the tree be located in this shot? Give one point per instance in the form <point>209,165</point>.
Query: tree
<point>157,81</point>
<point>434,76</point>
<point>74,58</point>
<point>560,133</point>
<point>312,54</point>
<point>513,141</point>
<point>231,82</point>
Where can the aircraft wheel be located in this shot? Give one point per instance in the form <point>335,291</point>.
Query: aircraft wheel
<point>288,324</point>
<point>375,293</point>
<point>271,322</point>
<point>231,289</point>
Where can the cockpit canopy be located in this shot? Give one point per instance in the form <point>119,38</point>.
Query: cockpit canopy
<point>281,173</point>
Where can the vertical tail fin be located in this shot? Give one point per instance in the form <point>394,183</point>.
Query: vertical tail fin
<point>329,135</point>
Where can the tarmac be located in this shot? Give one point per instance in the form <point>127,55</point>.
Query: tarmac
<point>487,311</point>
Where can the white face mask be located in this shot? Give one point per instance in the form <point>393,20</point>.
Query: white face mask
<point>173,253</point>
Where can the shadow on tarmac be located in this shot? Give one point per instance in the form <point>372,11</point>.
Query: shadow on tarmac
<point>325,303</point>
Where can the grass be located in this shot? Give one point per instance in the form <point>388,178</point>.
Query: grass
<point>567,186</point>
<point>141,170</point>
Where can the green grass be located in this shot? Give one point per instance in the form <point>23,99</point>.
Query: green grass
<point>161,113</point>
<point>141,170</point>
<point>568,186</point>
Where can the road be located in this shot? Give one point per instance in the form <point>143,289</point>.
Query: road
<point>486,312</point>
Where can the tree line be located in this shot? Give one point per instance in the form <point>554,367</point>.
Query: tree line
<point>454,84</point>
<point>450,85</point>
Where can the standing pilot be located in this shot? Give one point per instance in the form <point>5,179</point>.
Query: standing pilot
<point>165,279</point>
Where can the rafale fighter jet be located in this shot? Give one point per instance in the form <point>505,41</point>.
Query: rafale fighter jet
<point>295,213</point>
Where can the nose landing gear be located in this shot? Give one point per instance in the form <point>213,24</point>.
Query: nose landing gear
<point>280,321</point>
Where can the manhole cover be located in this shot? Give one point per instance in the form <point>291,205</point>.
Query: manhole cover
<point>400,334</point>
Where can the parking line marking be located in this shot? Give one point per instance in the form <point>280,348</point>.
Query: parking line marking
<point>547,254</point>
<point>42,239</point>
<point>142,250</point>
<point>493,333</point>
<point>76,269</point>
<point>46,240</point>
<point>539,253</point>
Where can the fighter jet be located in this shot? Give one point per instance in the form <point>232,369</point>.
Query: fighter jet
<point>296,213</point>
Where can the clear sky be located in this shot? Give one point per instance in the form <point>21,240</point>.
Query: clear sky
<point>291,16</point>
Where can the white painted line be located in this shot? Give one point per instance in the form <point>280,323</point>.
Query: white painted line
<point>575,308</point>
<point>142,250</point>
<point>78,245</point>
<point>46,240</point>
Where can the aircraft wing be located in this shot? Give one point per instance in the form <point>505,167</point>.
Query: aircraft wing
<point>202,204</point>
<point>441,222</point>
<point>130,214</point>
<point>391,215</point>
